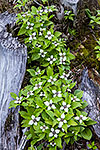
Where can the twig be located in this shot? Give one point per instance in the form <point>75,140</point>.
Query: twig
<point>38,3</point>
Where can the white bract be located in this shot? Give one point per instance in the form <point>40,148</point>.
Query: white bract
<point>64,76</point>
<point>55,43</point>
<point>18,100</point>
<point>37,86</point>
<point>42,94</point>
<point>40,12</point>
<point>65,106</point>
<point>62,56</point>
<point>30,25</point>
<point>42,29</point>
<point>61,120</point>
<point>81,118</point>
<point>40,33</point>
<point>54,133</point>
<point>49,36</point>
<point>50,105</point>
<point>43,128</point>
<point>42,53</point>
<point>38,72</point>
<point>51,59</point>
<point>37,106</point>
<point>62,62</point>
<point>38,45</point>
<point>74,99</point>
<point>34,120</point>
<point>33,36</point>
<point>29,93</point>
<point>56,93</point>
<point>53,144</point>
<point>45,10</point>
<point>69,90</point>
<point>52,80</point>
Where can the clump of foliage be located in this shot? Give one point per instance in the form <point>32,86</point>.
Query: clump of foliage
<point>69,15</point>
<point>92,146</point>
<point>94,20</point>
<point>97,48</point>
<point>53,112</point>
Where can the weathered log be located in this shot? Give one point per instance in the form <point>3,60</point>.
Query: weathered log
<point>13,57</point>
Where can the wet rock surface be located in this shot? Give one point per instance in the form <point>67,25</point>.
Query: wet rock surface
<point>92,96</point>
<point>13,57</point>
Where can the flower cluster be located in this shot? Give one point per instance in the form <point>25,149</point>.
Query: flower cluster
<point>50,105</point>
<point>34,120</point>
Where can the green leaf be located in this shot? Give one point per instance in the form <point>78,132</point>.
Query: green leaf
<point>67,140</point>
<point>76,104</point>
<point>57,34</point>
<point>58,142</point>
<point>35,56</point>
<point>49,71</point>
<point>41,136</point>
<point>13,95</point>
<point>78,93</point>
<point>72,123</point>
<point>24,114</point>
<point>90,122</point>
<point>22,30</point>
<point>29,136</point>
<point>31,71</point>
<point>50,113</point>
<point>87,134</point>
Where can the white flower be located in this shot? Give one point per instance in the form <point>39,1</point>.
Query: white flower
<point>51,59</point>
<point>64,107</point>
<point>42,53</point>
<point>30,25</point>
<point>65,76</point>
<point>29,93</point>
<point>53,144</point>
<point>55,43</point>
<point>54,133</point>
<point>42,29</point>
<point>67,13</point>
<point>69,90</point>
<point>38,72</point>
<point>62,56</point>
<point>42,94</point>
<point>50,10</point>
<point>45,10</point>
<point>49,35</point>
<point>40,12</point>
<point>81,118</point>
<point>56,93</point>
<point>34,120</point>
<point>38,45</point>
<point>62,62</point>
<point>37,86</point>
<point>52,80</point>
<point>43,128</point>
<point>18,100</point>
<point>40,33</point>
<point>61,120</point>
<point>37,106</point>
<point>74,99</point>
<point>33,36</point>
<point>50,105</point>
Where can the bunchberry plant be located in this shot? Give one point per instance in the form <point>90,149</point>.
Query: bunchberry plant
<point>53,111</point>
<point>69,15</point>
<point>92,146</point>
<point>94,20</point>
<point>97,48</point>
